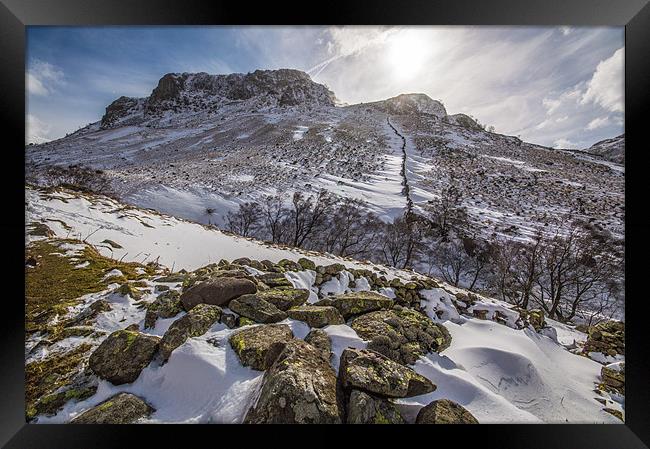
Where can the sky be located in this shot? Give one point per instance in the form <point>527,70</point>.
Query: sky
<point>555,86</point>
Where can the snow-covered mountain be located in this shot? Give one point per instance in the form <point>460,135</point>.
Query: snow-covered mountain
<point>204,142</point>
<point>611,149</point>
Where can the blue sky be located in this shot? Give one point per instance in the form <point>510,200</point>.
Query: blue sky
<point>559,86</point>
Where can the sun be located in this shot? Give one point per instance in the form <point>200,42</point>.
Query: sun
<point>407,51</point>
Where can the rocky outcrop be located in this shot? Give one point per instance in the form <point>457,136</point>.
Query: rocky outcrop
<point>316,316</point>
<point>253,345</point>
<point>284,298</point>
<point>166,305</point>
<point>613,377</point>
<point>299,388</point>
<point>257,309</point>
<point>445,411</point>
<point>123,408</point>
<point>217,291</point>
<point>319,339</point>
<point>401,334</point>
<point>607,337</point>
<point>357,303</point>
<point>275,280</point>
<point>364,408</point>
<point>196,322</point>
<point>123,355</point>
<point>372,372</point>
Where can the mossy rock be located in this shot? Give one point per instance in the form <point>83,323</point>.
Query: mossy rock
<point>401,334</point>
<point>445,411</point>
<point>129,290</point>
<point>319,339</point>
<point>357,303</point>
<point>252,345</point>
<point>290,265</point>
<point>306,264</point>
<point>300,387</point>
<point>614,412</point>
<point>217,291</point>
<point>123,408</point>
<point>284,298</point>
<point>364,408</point>
<point>275,280</point>
<point>367,370</point>
<point>49,405</point>
<point>195,323</point>
<point>123,355</point>
<point>257,309</point>
<point>316,316</point>
<point>166,305</point>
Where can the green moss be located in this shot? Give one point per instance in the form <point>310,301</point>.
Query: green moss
<point>380,418</point>
<point>54,284</point>
<point>45,376</point>
<point>106,405</point>
<point>238,344</point>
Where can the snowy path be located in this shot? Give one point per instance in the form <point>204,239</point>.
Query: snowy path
<point>405,182</point>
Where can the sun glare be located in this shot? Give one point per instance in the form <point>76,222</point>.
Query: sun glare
<point>407,52</point>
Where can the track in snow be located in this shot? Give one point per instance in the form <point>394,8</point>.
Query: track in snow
<point>405,182</point>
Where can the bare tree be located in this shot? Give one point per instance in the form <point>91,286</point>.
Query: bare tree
<point>308,215</point>
<point>273,216</point>
<point>246,220</point>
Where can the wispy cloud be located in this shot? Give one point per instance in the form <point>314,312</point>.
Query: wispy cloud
<point>606,86</point>
<point>43,78</point>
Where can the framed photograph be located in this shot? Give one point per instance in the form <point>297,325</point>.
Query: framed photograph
<point>395,214</point>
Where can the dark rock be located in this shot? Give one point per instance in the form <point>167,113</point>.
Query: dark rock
<point>252,345</point>
<point>402,335</point>
<point>319,339</point>
<point>299,387</point>
<point>357,303</point>
<point>284,298</point>
<point>316,316</point>
<point>364,408</point>
<point>445,411</point>
<point>257,309</point>
<point>195,323</point>
<point>166,305</point>
<point>275,280</point>
<point>90,312</point>
<point>123,408</point>
<point>216,291</point>
<point>306,264</point>
<point>123,355</point>
<point>372,372</point>
<point>229,319</point>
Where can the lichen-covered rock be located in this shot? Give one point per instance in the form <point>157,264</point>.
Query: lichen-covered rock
<point>217,291</point>
<point>445,411</point>
<point>357,303</point>
<point>196,322</point>
<point>613,376</point>
<point>290,265</point>
<point>607,337</point>
<point>173,277</point>
<point>284,298</point>
<point>372,372</point>
<point>306,264</point>
<point>123,408</point>
<point>166,305</point>
<point>128,290</point>
<point>252,345</point>
<point>332,269</point>
<point>299,388</point>
<point>123,355</point>
<point>257,309</point>
<point>275,280</point>
<point>364,408</point>
<point>401,334</point>
<point>319,339</point>
<point>316,316</point>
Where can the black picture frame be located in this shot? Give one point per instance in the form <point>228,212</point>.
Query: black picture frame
<point>15,15</point>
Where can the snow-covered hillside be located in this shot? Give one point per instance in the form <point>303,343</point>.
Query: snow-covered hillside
<point>500,364</point>
<point>201,143</point>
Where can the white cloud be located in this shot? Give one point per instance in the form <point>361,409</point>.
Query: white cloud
<point>606,86</point>
<point>43,78</point>
<point>36,130</point>
<point>564,143</point>
<point>598,122</point>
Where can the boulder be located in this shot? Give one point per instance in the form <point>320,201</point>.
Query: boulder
<point>290,265</point>
<point>284,298</point>
<point>364,408</point>
<point>316,316</point>
<point>257,309</point>
<point>123,355</point>
<point>613,376</point>
<point>275,280</point>
<point>123,408</point>
<point>372,372</point>
<point>357,303</point>
<point>401,334</point>
<point>319,339</point>
<point>218,291</point>
<point>607,337</point>
<point>445,411</point>
<point>166,305</point>
<point>299,388</point>
<point>306,264</point>
<point>252,345</point>
<point>229,319</point>
<point>196,322</point>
